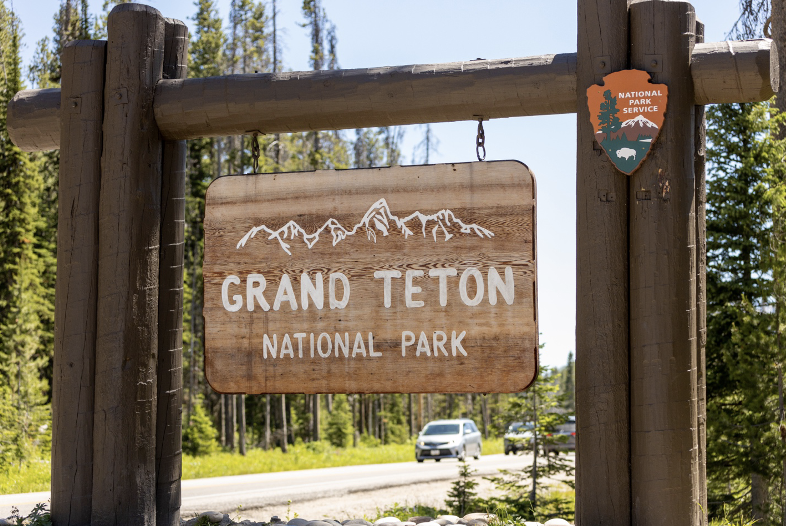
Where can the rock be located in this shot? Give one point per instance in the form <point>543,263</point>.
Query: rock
<point>444,522</point>
<point>557,522</point>
<point>275,520</point>
<point>430,523</point>
<point>6,522</point>
<point>532,524</point>
<point>462,521</point>
<point>418,520</point>
<point>297,521</point>
<point>477,522</point>
<point>318,523</point>
<point>213,516</point>
<point>452,518</point>
<point>387,519</point>
<point>356,522</point>
<point>407,523</point>
<point>485,517</point>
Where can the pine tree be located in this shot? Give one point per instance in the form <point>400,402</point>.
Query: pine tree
<point>23,304</point>
<point>744,451</point>
<point>609,122</point>
<point>462,497</point>
<point>525,492</point>
<point>339,424</point>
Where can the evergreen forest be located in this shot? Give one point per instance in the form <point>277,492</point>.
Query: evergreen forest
<point>746,273</point>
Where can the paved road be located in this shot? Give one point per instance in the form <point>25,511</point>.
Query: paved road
<point>266,489</point>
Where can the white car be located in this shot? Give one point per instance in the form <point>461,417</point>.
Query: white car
<point>448,439</point>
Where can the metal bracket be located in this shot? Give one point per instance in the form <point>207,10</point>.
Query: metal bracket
<point>643,195</point>
<point>119,96</point>
<point>75,105</point>
<point>602,65</point>
<point>653,63</point>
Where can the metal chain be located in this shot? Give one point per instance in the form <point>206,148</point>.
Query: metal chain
<point>480,142</point>
<point>255,152</point>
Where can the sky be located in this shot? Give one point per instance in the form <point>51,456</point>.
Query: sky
<point>385,33</point>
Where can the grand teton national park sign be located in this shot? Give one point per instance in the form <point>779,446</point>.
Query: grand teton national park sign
<point>627,114</point>
<point>382,280</point>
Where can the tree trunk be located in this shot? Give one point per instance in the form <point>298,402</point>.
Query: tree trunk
<point>411,416</point>
<point>267,422</point>
<point>430,406</point>
<point>241,417</point>
<point>222,420</point>
<point>484,407</point>
<point>534,492</point>
<point>283,423</point>
<point>759,497</point>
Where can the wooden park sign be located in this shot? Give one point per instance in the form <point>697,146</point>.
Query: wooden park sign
<point>410,278</point>
<point>121,118</point>
<point>627,114</point>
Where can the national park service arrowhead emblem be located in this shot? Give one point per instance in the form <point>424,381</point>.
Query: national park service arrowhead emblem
<point>627,113</point>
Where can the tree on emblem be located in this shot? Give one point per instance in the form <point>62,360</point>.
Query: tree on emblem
<point>609,122</point>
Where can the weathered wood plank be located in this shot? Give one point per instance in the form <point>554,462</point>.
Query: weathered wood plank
<point>734,71</point>
<point>602,372</point>
<point>170,301</point>
<point>124,474</point>
<point>347,227</point>
<point>663,270</point>
<point>34,119</point>
<point>322,100</point>
<point>83,63</point>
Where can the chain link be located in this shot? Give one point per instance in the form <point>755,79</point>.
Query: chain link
<point>480,142</point>
<point>255,152</point>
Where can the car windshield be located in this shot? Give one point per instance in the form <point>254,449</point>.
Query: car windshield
<point>441,429</point>
<point>520,427</point>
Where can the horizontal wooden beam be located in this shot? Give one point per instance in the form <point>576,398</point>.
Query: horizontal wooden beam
<point>34,119</point>
<point>363,98</point>
<point>393,96</point>
<point>731,71</point>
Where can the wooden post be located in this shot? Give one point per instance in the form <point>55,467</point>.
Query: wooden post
<point>663,270</point>
<point>169,415</point>
<point>124,474</point>
<point>82,95</point>
<point>699,167</point>
<point>602,373</point>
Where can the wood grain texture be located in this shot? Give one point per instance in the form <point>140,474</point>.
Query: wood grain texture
<point>34,119</point>
<point>501,338</point>
<point>602,374</point>
<point>328,100</point>
<point>663,270</point>
<point>169,415</point>
<point>83,63</point>
<point>734,71</point>
<point>700,171</point>
<point>345,99</point>
<point>124,475</point>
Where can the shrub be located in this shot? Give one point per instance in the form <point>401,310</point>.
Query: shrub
<point>199,438</point>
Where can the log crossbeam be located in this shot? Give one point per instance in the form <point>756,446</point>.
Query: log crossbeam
<point>743,71</point>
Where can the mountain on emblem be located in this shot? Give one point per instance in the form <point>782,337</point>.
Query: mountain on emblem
<point>627,113</point>
<point>377,222</point>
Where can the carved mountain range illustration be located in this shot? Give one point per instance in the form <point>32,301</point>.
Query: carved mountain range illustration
<point>377,221</point>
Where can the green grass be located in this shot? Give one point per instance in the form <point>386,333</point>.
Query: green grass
<point>35,475</point>
<point>32,476</point>
<point>305,456</point>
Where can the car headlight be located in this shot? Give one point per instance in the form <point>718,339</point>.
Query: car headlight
<point>421,443</point>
